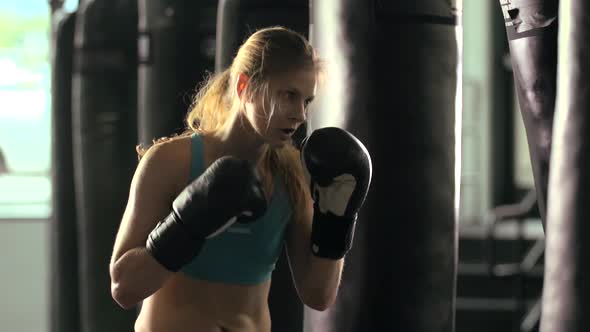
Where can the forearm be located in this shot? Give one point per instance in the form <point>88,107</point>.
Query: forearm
<point>322,279</point>
<point>339,179</point>
<point>135,276</point>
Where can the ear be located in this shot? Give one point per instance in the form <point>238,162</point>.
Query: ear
<point>241,84</point>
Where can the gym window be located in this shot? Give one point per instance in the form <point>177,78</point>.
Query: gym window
<point>25,118</point>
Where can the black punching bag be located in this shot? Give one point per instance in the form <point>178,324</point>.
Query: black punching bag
<point>63,300</point>
<point>236,20</point>
<point>566,292</point>
<point>104,130</point>
<point>531,28</point>
<point>176,48</point>
<point>397,67</point>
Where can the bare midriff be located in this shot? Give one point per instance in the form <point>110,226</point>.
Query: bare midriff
<point>187,304</point>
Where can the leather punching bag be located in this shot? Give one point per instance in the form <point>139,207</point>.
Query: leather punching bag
<point>531,28</point>
<point>176,48</point>
<point>397,68</point>
<point>64,305</point>
<point>104,99</point>
<point>236,20</point>
<point>566,292</point>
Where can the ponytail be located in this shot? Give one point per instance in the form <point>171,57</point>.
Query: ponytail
<point>210,108</point>
<point>208,112</point>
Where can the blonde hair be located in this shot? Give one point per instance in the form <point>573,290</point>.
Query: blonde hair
<point>265,53</point>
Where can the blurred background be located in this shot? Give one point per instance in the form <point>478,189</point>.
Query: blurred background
<point>495,175</point>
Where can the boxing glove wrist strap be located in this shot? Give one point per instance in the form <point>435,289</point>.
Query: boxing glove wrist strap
<point>171,244</point>
<point>331,235</point>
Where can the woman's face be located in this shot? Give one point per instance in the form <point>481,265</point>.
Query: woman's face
<point>291,91</point>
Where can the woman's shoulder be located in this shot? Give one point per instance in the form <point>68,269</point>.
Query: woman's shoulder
<point>169,158</point>
<point>177,147</point>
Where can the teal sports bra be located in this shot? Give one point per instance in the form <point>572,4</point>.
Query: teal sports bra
<point>243,253</point>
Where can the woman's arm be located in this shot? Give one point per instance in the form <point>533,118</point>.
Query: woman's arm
<point>316,279</point>
<point>340,179</point>
<point>135,274</point>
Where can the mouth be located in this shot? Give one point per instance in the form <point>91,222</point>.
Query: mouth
<point>288,131</point>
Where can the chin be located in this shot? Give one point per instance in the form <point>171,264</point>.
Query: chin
<point>278,143</point>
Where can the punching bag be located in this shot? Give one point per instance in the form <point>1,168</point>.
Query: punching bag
<point>531,29</point>
<point>176,50</point>
<point>63,237</point>
<point>342,101</point>
<point>104,130</point>
<point>397,68</point>
<point>566,293</point>
<point>236,20</point>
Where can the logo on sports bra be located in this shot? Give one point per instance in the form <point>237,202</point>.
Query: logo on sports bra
<point>239,230</point>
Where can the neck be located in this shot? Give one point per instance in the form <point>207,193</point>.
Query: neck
<point>239,139</point>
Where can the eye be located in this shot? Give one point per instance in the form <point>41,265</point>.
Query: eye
<point>290,95</point>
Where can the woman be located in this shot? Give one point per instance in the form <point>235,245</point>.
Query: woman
<point>238,190</point>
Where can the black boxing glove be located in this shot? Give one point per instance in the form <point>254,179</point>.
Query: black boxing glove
<point>339,170</point>
<point>227,189</point>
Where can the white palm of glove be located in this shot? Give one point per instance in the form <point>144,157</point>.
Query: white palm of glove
<point>335,197</point>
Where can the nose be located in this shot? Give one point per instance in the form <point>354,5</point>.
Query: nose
<point>298,113</point>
